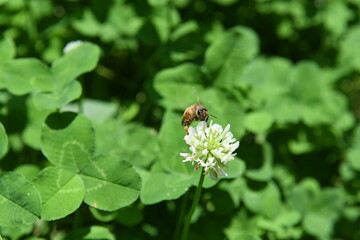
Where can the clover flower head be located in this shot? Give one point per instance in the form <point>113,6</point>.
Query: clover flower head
<point>72,45</point>
<point>211,148</point>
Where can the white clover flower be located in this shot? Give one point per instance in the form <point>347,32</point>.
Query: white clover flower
<point>72,45</point>
<point>211,148</point>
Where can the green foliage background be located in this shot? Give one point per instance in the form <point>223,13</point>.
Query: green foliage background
<point>90,139</point>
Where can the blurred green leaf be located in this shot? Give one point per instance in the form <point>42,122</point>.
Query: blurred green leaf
<point>301,196</point>
<point>36,118</point>
<point>348,55</point>
<point>68,140</point>
<point>226,58</point>
<point>265,79</point>
<point>288,218</point>
<point>172,143</point>
<point>225,2</point>
<point>353,153</point>
<point>4,144</point>
<point>245,236</point>
<point>24,75</point>
<point>103,216</point>
<point>264,173</point>
<point>258,121</point>
<point>180,86</point>
<point>172,187</point>
<point>91,233</point>
<point>130,216</point>
<point>20,201</point>
<point>157,2</point>
<point>57,99</point>
<point>7,49</point>
<point>224,110</point>
<point>282,226</point>
<point>243,223</point>
<point>235,188</point>
<point>163,19</point>
<point>61,192</point>
<point>77,61</point>
<point>300,145</point>
<point>235,169</point>
<point>87,25</point>
<point>29,171</point>
<point>95,110</point>
<point>16,232</point>
<point>266,202</point>
<point>143,149</point>
<point>307,81</point>
<point>353,156</point>
<point>110,183</point>
<point>284,109</point>
<point>184,29</point>
<point>343,15</point>
<point>318,225</point>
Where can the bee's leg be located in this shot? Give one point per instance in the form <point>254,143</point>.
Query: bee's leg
<point>186,128</point>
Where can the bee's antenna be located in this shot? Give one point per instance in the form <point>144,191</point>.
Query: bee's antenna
<point>213,116</point>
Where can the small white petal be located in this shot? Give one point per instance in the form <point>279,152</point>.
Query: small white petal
<point>213,175</point>
<point>222,172</point>
<point>72,45</point>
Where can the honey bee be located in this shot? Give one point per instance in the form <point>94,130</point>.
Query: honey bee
<point>195,112</point>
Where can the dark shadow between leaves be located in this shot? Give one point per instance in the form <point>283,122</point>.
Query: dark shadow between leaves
<point>58,121</point>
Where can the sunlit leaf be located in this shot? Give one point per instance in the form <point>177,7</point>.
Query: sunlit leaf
<point>110,183</point>
<point>61,192</point>
<point>29,171</point>
<point>172,187</point>
<point>68,140</point>
<point>19,200</point>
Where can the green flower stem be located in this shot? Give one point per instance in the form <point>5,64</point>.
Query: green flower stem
<point>187,220</point>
